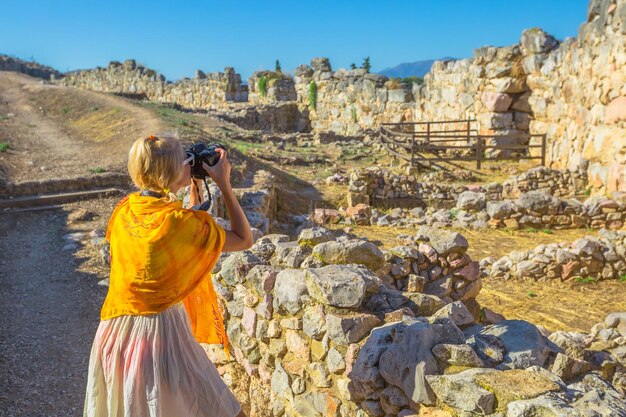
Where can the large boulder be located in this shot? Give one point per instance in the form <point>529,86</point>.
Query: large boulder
<point>496,102</point>
<point>444,241</point>
<point>341,285</point>
<point>462,393</point>
<point>407,361</point>
<point>457,312</point>
<point>290,254</point>
<point>351,252</point>
<point>290,291</point>
<point>538,202</point>
<point>523,343</point>
<point>482,390</point>
<point>365,377</point>
<point>314,236</point>
<point>344,329</point>
<point>471,201</point>
<point>537,41</point>
<point>236,267</point>
<point>500,209</point>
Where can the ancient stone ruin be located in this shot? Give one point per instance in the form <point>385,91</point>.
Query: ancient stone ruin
<point>539,86</point>
<point>329,325</point>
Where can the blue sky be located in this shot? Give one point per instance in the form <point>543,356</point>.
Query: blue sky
<point>176,38</point>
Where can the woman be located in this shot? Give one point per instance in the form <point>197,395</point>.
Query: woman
<point>146,359</point>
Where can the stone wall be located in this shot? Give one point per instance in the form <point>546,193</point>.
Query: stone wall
<point>318,333</point>
<point>347,102</point>
<point>579,97</point>
<point>278,117</point>
<point>9,63</point>
<point>587,259</point>
<point>381,188</point>
<point>205,91</point>
<point>279,87</point>
<point>299,312</point>
<point>490,87</point>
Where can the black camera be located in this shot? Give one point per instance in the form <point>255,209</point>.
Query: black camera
<point>199,153</point>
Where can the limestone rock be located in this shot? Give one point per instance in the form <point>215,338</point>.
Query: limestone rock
<point>290,291</point>
<point>351,252</point>
<point>407,361</point>
<point>350,328</point>
<point>536,41</point>
<point>524,344</point>
<point>236,266</point>
<point>461,355</point>
<point>471,201</point>
<point>314,236</point>
<point>457,312</point>
<point>340,285</point>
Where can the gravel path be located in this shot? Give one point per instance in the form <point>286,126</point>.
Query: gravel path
<point>49,313</point>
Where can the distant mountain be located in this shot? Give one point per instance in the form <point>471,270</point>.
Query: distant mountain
<point>411,69</point>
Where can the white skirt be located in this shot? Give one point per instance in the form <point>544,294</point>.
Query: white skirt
<point>152,366</point>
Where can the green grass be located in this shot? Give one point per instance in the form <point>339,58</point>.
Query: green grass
<point>531,294</point>
<point>453,213</point>
<point>96,170</point>
<point>622,278</point>
<point>533,230</point>
<point>584,280</point>
<point>3,117</point>
<point>245,147</point>
<point>95,108</point>
<point>65,110</point>
<point>4,147</point>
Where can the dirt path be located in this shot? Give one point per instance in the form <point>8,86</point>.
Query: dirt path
<point>58,132</point>
<point>48,317</point>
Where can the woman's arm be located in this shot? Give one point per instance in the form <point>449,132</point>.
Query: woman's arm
<point>240,235</point>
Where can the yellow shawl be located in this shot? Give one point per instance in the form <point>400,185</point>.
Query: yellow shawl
<point>161,254</point>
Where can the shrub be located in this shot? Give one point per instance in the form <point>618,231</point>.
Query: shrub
<point>4,147</point>
<point>278,68</point>
<point>312,95</point>
<point>262,86</point>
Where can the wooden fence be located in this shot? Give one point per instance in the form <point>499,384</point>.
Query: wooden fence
<point>455,140</point>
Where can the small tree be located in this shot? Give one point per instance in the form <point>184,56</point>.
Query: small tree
<point>278,69</point>
<point>366,64</point>
<point>353,66</point>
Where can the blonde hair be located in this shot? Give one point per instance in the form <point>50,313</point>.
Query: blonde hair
<point>155,162</point>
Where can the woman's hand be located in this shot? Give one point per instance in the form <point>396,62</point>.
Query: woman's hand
<point>220,172</point>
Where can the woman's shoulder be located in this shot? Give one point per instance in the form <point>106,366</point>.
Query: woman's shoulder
<point>187,214</point>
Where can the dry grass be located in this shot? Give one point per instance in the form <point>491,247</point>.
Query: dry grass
<point>482,243</point>
<point>554,304</point>
<point>500,242</point>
